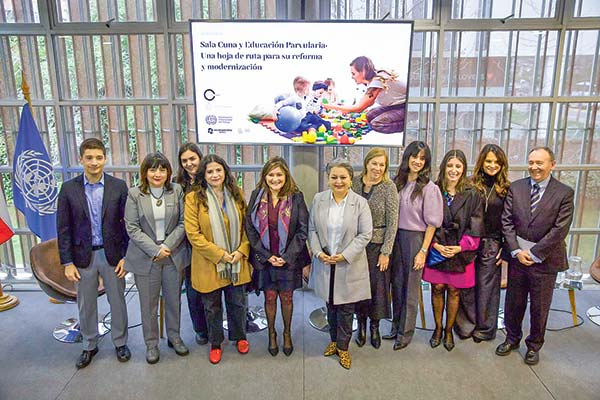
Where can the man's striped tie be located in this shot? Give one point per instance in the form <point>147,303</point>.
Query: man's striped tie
<point>535,197</point>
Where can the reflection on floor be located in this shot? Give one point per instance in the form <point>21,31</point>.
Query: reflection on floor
<point>35,366</point>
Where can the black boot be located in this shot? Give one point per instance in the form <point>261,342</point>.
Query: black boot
<point>361,332</point>
<point>375,336</point>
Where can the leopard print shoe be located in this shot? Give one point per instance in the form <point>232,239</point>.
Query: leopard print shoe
<point>330,350</point>
<point>345,360</point>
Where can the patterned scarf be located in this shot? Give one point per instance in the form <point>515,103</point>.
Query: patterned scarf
<point>260,219</point>
<point>219,231</point>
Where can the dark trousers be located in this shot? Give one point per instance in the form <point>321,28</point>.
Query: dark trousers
<point>405,282</point>
<point>378,306</point>
<point>478,312</point>
<point>194,300</point>
<point>340,323</point>
<point>339,317</point>
<point>524,281</point>
<point>236,305</point>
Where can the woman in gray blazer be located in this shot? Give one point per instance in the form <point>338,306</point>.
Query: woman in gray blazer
<point>374,185</point>
<point>340,227</point>
<point>157,253</point>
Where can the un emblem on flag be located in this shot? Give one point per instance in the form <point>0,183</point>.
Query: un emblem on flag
<point>35,179</point>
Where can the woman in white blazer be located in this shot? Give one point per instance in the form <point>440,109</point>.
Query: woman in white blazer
<point>157,253</point>
<point>340,227</point>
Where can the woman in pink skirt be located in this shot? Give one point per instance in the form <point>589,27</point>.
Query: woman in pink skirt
<point>450,263</point>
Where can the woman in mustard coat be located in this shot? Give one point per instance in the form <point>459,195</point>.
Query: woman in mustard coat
<point>214,218</point>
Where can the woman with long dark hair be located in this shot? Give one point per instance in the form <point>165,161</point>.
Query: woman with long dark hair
<point>189,158</point>
<point>157,252</point>
<point>214,223</point>
<point>420,213</point>
<point>277,228</point>
<point>478,313</point>
<point>450,265</point>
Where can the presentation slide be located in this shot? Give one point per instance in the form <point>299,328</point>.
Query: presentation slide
<point>304,83</point>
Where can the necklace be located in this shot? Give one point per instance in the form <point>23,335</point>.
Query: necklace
<point>487,197</point>
<point>159,199</point>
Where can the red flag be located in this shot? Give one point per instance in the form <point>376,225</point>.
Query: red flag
<point>6,230</point>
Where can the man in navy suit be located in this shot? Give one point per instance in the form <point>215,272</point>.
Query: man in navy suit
<point>92,242</point>
<point>538,212</point>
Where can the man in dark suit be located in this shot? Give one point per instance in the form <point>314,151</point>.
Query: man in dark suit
<point>92,241</point>
<point>537,215</point>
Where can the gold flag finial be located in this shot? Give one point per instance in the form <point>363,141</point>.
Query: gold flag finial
<point>25,89</point>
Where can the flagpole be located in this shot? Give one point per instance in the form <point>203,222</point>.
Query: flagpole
<point>26,92</point>
<point>7,301</point>
<point>27,96</point>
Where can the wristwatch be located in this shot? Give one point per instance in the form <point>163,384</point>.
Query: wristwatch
<point>423,250</point>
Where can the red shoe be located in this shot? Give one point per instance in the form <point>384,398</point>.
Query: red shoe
<point>243,346</point>
<point>215,355</point>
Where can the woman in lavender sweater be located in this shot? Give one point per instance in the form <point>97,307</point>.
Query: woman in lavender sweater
<point>420,214</point>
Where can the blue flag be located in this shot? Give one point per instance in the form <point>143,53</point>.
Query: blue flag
<point>35,189</point>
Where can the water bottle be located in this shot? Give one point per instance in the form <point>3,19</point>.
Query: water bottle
<point>574,273</point>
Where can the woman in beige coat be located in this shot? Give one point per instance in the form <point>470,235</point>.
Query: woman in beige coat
<point>214,216</point>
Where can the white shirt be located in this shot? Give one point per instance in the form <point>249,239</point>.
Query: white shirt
<point>335,221</point>
<point>159,213</point>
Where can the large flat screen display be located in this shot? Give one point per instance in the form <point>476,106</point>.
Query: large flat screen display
<point>305,83</point>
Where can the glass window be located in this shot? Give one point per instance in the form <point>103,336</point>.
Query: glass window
<point>581,64</point>
<point>585,246</point>
<point>469,9</point>
<point>184,10</point>
<point>516,127</point>
<point>105,11</point>
<point>45,120</point>
<point>28,56</point>
<point>586,8</point>
<point>372,9</point>
<point>184,86</point>
<point>419,122</point>
<point>22,11</point>
<point>112,66</point>
<point>577,135</point>
<point>512,63</point>
<point>423,64</point>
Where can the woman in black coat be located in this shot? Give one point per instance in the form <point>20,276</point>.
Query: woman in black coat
<point>277,227</point>
<point>478,313</point>
<point>450,265</point>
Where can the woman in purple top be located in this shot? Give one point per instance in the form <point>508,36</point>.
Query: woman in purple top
<point>419,215</point>
<point>450,265</point>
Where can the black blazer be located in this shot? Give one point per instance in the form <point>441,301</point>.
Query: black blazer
<point>463,217</point>
<point>548,226</point>
<point>75,228</point>
<point>296,251</point>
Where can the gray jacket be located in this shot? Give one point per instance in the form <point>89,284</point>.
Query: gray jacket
<point>384,204</point>
<point>139,222</point>
<point>351,277</point>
